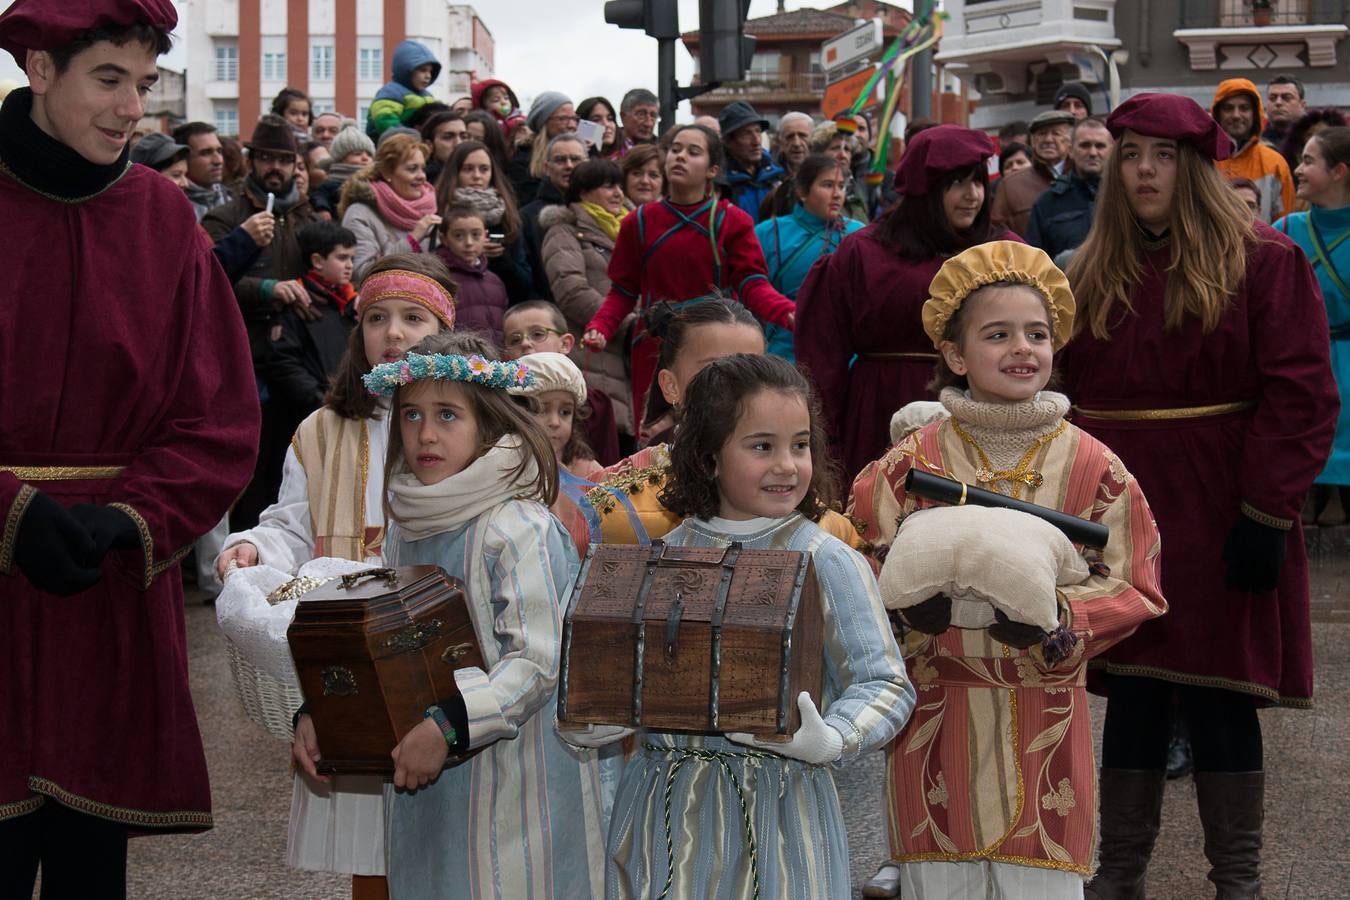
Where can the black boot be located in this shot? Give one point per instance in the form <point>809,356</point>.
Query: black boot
<point>1231,810</point>
<point>1131,812</point>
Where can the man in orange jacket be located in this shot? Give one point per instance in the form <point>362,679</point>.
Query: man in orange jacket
<point>1237,109</point>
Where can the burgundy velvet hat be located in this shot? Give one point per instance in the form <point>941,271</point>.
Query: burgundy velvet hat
<point>51,24</point>
<point>936,151</point>
<point>1171,116</point>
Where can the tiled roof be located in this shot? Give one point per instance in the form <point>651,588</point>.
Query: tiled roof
<point>799,21</point>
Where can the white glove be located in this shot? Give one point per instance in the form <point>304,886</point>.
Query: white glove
<point>592,736</point>
<point>816,742</point>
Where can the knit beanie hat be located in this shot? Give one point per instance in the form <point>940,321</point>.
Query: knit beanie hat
<point>348,141</point>
<point>543,107</point>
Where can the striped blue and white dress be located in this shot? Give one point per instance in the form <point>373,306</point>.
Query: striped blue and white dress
<point>701,790</point>
<point>523,820</point>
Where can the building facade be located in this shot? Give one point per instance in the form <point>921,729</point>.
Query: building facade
<point>243,52</point>
<point>1017,53</point>
<point>785,74</point>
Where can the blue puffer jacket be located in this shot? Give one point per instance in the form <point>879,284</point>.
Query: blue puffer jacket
<point>397,100</point>
<point>748,191</point>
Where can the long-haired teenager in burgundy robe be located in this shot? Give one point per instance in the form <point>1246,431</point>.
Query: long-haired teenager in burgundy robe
<point>865,299</point>
<point>128,424</point>
<point>1201,358</point>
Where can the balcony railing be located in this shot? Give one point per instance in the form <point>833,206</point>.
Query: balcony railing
<point>1239,13</point>
<point>796,83</point>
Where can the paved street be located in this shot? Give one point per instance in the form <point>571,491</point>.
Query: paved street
<point>1307,853</point>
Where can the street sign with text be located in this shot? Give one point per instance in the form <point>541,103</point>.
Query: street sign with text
<point>852,45</point>
<point>840,95</point>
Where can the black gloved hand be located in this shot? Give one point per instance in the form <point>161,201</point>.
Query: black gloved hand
<point>109,528</point>
<point>53,550</point>
<point>932,616</point>
<point>1015,634</point>
<point>1254,554</point>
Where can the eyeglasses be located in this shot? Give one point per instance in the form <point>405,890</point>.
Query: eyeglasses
<point>537,334</point>
<point>643,114</point>
<point>563,160</point>
<point>565,119</point>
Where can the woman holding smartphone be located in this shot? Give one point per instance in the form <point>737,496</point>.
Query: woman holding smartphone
<point>471,177</point>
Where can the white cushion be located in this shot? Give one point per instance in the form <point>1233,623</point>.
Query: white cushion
<point>984,559</point>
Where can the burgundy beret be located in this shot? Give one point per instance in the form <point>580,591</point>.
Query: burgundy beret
<point>52,24</point>
<point>1171,116</point>
<point>936,151</point>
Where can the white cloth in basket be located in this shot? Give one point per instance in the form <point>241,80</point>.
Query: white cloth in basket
<point>983,559</point>
<point>258,629</point>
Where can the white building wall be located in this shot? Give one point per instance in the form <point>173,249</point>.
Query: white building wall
<point>446,28</point>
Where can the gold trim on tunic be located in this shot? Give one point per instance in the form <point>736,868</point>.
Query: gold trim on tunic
<point>140,818</point>
<point>1215,681</point>
<point>62,473</point>
<point>10,535</point>
<point>1179,412</point>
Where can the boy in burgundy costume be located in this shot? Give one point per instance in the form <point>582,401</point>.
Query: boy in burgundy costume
<point>128,424</point>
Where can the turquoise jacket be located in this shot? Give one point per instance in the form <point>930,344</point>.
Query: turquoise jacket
<point>792,244</point>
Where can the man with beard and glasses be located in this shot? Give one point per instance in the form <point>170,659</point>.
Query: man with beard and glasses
<point>1062,216</point>
<point>128,424</point>
<point>272,283</point>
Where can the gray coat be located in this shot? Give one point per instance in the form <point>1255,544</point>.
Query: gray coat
<point>375,238</point>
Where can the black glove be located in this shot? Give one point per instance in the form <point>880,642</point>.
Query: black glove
<point>1255,554</point>
<point>1015,634</point>
<point>53,550</point>
<point>932,616</point>
<point>109,528</point>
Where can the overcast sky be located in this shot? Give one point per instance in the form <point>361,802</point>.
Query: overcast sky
<point>560,45</point>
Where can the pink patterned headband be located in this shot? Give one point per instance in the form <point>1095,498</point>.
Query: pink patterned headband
<point>401,284</point>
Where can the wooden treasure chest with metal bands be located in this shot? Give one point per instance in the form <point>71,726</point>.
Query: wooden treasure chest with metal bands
<point>700,640</point>
<point>373,650</point>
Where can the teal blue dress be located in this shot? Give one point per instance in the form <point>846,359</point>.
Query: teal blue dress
<point>1332,267</point>
<point>792,244</point>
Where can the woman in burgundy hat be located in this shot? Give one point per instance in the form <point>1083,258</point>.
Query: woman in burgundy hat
<point>865,299</point>
<point>1201,358</point>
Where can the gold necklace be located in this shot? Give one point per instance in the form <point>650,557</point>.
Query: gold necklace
<point>1023,474</point>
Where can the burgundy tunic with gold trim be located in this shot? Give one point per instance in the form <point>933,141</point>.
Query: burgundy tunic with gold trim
<point>1270,350</point>
<point>122,359</point>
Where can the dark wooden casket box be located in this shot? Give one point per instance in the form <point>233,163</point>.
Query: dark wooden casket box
<point>373,650</point>
<point>691,639</point>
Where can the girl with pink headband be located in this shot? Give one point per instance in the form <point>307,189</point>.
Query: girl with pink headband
<point>332,505</point>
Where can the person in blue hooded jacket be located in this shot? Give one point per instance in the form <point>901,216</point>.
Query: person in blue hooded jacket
<point>813,230</point>
<point>750,174</point>
<point>414,69</point>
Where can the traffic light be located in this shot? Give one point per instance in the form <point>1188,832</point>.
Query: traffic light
<point>658,18</point>
<point>724,49</point>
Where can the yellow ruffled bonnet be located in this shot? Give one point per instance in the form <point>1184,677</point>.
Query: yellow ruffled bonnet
<point>986,264</point>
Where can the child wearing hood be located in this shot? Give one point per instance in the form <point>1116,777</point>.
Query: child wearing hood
<point>481,300</point>
<point>415,68</point>
<point>497,99</point>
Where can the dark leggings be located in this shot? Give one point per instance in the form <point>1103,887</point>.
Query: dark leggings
<point>81,856</point>
<point>1225,733</point>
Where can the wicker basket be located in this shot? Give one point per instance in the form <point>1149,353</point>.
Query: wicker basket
<point>268,702</point>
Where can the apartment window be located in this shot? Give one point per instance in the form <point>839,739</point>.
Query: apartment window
<point>274,66</point>
<point>322,106</point>
<point>227,119</point>
<point>227,62</point>
<point>370,64</point>
<point>321,62</point>
<point>363,113</point>
<point>764,67</point>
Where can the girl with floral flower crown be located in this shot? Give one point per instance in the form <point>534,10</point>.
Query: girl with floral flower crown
<point>468,480</point>
<point>331,506</point>
<point>991,787</point>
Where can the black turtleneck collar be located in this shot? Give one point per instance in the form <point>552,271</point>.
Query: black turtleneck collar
<point>43,164</point>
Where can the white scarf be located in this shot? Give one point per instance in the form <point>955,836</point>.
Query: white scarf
<point>423,510</point>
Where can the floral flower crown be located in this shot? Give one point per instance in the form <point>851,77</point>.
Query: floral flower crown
<point>388,377</point>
